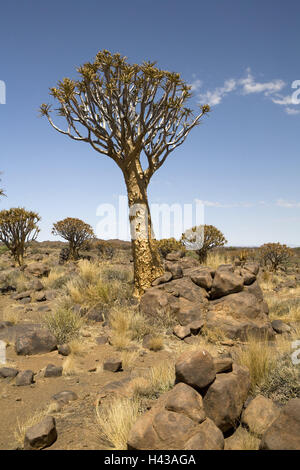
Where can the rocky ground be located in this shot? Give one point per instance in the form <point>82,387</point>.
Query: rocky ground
<point>194,365</point>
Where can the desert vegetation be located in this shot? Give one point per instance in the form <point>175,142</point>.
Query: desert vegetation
<point>157,344</point>
<point>203,239</point>
<point>18,227</point>
<point>76,232</point>
<point>130,110</point>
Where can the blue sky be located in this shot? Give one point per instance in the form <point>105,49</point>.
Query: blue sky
<point>241,56</point>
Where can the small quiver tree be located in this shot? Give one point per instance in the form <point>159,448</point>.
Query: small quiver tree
<point>202,239</point>
<point>275,255</point>
<point>76,232</point>
<point>18,227</point>
<point>136,115</point>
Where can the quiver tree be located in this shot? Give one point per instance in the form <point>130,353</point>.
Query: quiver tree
<point>275,255</point>
<point>18,227</point>
<point>136,115</point>
<point>76,232</point>
<point>202,239</point>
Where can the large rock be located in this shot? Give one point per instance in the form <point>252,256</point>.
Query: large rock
<point>35,342</point>
<point>284,432</point>
<point>189,312</point>
<point>208,437</point>
<point>113,365</point>
<point>225,397</point>
<point>175,269</point>
<point>223,364</point>
<point>157,300</point>
<point>175,422</point>
<point>186,289</point>
<point>166,277</point>
<point>175,255</point>
<point>252,267</point>
<point>280,327</point>
<point>8,372</point>
<point>53,371</point>
<point>195,368</point>
<point>202,277</point>
<point>186,400</point>
<point>226,282</point>
<point>260,414</point>
<point>240,314</point>
<point>41,435</point>
<point>24,377</point>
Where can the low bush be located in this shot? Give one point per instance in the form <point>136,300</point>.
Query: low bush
<point>64,324</point>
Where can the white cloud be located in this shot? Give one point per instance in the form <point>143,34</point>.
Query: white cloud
<point>222,205</point>
<point>196,84</point>
<point>215,97</point>
<point>249,85</point>
<point>292,111</point>
<point>278,203</point>
<point>284,100</point>
<point>283,203</point>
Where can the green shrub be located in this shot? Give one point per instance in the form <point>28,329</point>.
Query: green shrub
<point>64,324</point>
<point>167,245</point>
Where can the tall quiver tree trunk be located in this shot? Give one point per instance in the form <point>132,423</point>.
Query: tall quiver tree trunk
<point>147,261</point>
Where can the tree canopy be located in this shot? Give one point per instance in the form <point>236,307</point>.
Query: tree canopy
<point>17,228</point>
<point>202,239</point>
<point>122,109</point>
<point>75,231</point>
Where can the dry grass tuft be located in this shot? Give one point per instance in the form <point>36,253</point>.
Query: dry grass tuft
<point>283,382</point>
<point>22,426</point>
<point>259,357</point>
<point>215,259</point>
<point>56,279</point>
<point>115,419</point>
<point>245,440</point>
<point>91,286</point>
<point>78,347</point>
<point>160,379</point>
<point>64,324</point>
<point>70,366</point>
<point>129,358</point>
<point>12,315</point>
<point>127,325</point>
<point>213,335</point>
<point>156,343</point>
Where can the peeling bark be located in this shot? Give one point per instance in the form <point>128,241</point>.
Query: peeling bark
<point>147,261</point>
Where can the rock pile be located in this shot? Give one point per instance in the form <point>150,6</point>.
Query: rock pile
<point>206,406</point>
<point>228,298</point>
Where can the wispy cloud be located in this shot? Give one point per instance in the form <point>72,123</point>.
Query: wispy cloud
<point>279,203</point>
<point>283,203</point>
<point>292,111</point>
<point>196,85</point>
<point>224,205</point>
<point>247,85</point>
<point>215,97</point>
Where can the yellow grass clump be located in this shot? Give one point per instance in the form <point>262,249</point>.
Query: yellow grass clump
<point>260,358</point>
<point>115,419</point>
